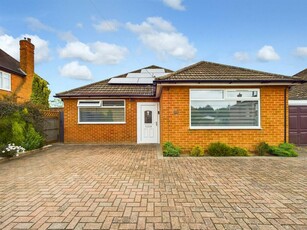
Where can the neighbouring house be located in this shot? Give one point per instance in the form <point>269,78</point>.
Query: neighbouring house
<point>16,77</point>
<point>197,105</point>
<point>298,111</point>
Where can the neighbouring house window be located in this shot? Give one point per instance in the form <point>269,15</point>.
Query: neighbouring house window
<point>224,108</point>
<point>5,81</point>
<point>101,111</point>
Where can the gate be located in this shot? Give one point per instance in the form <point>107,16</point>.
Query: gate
<point>298,125</point>
<point>53,126</point>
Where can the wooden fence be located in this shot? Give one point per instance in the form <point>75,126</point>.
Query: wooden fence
<point>53,126</point>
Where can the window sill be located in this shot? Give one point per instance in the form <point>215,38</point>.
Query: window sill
<point>225,128</point>
<point>101,123</point>
<point>8,90</point>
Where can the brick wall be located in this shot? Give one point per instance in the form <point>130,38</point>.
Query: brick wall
<point>16,82</point>
<point>27,65</point>
<point>174,110</point>
<point>22,86</point>
<point>100,133</point>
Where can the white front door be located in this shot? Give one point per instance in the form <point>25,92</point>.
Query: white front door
<point>147,122</point>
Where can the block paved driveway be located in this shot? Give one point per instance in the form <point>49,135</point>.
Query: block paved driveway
<point>128,187</point>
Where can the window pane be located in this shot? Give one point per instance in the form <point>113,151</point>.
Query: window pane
<point>207,94</point>
<point>1,81</point>
<point>113,103</point>
<point>242,93</point>
<point>102,115</point>
<point>6,81</point>
<point>148,117</point>
<point>89,103</point>
<point>224,113</point>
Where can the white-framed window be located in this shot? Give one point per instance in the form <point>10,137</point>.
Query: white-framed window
<point>224,108</point>
<point>101,112</point>
<point>5,81</point>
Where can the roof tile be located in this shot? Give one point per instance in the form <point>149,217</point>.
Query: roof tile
<point>208,71</point>
<point>299,92</point>
<point>9,64</point>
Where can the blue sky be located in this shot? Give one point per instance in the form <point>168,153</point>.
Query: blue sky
<point>82,41</point>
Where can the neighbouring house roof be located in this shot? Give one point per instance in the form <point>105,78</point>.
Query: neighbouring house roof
<point>299,92</point>
<point>9,64</point>
<point>214,72</point>
<point>105,89</point>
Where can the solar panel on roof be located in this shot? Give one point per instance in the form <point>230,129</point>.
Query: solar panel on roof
<point>145,80</point>
<point>153,71</point>
<point>138,75</point>
<point>135,80</point>
<point>123,81</point>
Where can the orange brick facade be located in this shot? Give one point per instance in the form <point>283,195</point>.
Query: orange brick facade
<point>100,133</point>
<point>174,110</point>
<point>174,122</point>
<point>16,85</point>
<point>21,87</point>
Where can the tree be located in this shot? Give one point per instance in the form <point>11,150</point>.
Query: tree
<point>40,92</point>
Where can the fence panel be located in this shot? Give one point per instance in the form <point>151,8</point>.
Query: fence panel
<point>52,127</point>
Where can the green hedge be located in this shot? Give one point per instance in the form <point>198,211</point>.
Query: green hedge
<point>20,124</point>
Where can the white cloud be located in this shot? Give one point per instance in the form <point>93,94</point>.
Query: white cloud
<point>162,37</point>
<point>175,4</point>
<point>11,45</point>
<point>97,53</point>
<point>1,31</point>
<point>267,53</point>
<point>76,71</point>
<point>67,36</point>
<point>301,51</point>
<point>107,26</point>
<point>241,56</point>
<point>79,25</point>
<point>35,24</point>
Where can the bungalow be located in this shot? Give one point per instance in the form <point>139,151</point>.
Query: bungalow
<point>197,105</point>
<point>16,77</point>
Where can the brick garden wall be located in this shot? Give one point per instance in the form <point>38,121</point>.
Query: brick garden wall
<point>100,133</point>
<point>174,110</point>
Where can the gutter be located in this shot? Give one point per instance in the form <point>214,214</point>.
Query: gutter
<point>21,73</point>
<point>104,96</point>
<point>297,81</point>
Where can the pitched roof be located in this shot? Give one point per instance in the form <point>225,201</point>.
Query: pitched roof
<point>299,92</point>
<point>214,72</point>
<point>105,89</point>
<point>9,64</point>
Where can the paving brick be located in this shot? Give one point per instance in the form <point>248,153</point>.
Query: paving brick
<point>128,187</point>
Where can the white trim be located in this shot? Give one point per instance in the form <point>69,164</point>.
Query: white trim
<point>10,81</point>
<point>227,99</point>
<point>103,107</point>
<point>90,104</point>
<point>139,120</point>
<point>224,84</point>
<point>297,102</point>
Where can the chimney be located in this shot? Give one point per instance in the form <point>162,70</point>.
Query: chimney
<point>27,65</point>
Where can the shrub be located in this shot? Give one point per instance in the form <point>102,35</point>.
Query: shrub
<point>11,150</point>
<point>262,149</point>
<point>197,151</point>
<point>169,150</point>
<point>33,139</point>
<point>284,150</point>
<point>219,149</point>
<point>21,124</point>
<point>240,152</point>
